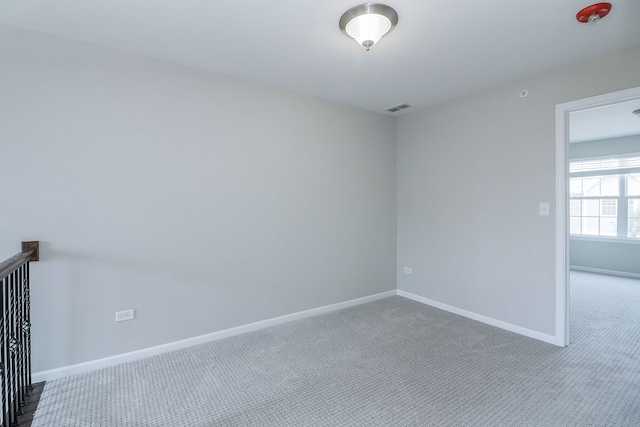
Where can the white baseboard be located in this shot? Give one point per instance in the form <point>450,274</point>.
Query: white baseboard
<point>603,271</point>
<point>80,368</point>
<point>484,319</point>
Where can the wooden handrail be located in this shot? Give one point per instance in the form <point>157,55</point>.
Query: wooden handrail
<point>30,252</point>
<point>8,266</point>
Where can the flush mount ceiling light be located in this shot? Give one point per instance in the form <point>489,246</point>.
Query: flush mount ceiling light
<point>593,13</point>
<point>368,22</point>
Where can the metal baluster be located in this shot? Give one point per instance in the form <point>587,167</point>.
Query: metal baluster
<point>15,333</point>
<point>26,331</point>
<point>9,349</point>
<point>13,349</point>
<point>20,340</point>
<point>3,354</point>
<point>27,302</point>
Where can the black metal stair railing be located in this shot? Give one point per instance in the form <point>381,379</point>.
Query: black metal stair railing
<point>15,333</point>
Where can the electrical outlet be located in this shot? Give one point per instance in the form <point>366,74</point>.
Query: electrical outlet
<point>121,316</point>
<point>408,270</point>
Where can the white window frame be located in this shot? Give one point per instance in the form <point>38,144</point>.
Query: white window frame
<point>632,167</point>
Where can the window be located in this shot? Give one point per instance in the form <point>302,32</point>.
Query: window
<point>633,211</point>
<point>605,197</point>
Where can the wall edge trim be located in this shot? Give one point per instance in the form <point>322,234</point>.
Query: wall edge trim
<point>484,319</point>
<point>65,371</point>
<point>603,271</point>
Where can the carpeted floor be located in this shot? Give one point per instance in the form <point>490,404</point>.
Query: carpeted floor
<point>393,362</point>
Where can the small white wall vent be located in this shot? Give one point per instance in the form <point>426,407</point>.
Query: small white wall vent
<point>397,108</point>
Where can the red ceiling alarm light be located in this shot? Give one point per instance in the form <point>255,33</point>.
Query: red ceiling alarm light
<point>591,14</point>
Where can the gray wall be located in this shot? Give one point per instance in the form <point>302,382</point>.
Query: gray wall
<point>604,147</point>
<point>203,202</point>
<point>617,257</point>
<point>471,174</point>
<point>608,257</point>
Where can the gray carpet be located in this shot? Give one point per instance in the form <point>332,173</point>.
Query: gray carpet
<point>393,362</point>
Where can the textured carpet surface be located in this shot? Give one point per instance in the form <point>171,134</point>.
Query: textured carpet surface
<point>393,362</point>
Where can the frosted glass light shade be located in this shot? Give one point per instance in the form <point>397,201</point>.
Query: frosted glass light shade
<point>368,28</point>
<point>368,22</point>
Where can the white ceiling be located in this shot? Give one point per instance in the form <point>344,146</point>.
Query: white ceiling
<point>610,121</point>
<point>438,51</point>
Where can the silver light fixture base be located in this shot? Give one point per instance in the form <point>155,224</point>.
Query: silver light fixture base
<point>368,9</point>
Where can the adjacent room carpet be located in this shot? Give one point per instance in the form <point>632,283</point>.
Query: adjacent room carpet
<point>393,362</point>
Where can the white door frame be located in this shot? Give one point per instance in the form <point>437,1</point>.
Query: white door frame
<point>562,201</point>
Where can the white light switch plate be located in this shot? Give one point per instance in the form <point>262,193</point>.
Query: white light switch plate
<point>544,208</point>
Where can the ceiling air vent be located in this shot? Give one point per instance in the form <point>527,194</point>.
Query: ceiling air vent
<point>397,108</point>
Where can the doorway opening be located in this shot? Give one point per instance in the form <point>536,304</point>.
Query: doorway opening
<point>564,113</point>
